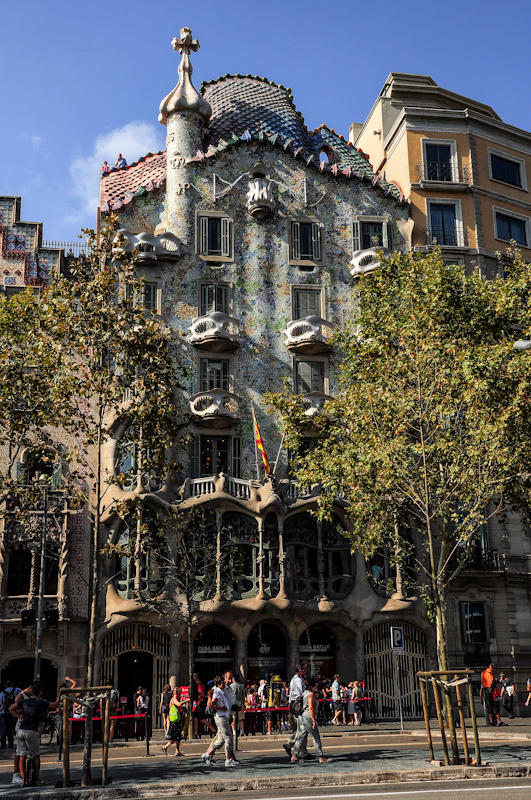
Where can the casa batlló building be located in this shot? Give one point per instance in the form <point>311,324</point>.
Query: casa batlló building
<point>251,232</point>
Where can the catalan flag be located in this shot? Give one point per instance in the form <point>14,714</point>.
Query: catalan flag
<point>260,445</point>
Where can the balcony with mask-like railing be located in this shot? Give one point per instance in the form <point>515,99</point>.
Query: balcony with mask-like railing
<point>215,408</point>
<point>443,175</point>
<point>448,235</point>
<point>313,403</point>
<point>215,332</point>
<point>309,335</point>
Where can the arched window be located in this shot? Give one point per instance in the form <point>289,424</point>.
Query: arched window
<point>300,545</point>
<point>137,569</point>
<point>338,561</point>
<point>240,545</point>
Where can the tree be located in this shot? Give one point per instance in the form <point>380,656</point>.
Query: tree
<point>120,368</point>
<point>430,427</point>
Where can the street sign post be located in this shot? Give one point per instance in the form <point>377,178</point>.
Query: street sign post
<point>397,649</point>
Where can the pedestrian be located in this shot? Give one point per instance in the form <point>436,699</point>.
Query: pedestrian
<point>308,725</point>
<point>176,718</point>
<point>357,694</point>
<point>202,716</point>
<point>17,777</point>
<point>297,687</point>
<point>238,714</point>
<point>262,688</point>
<point>507,694</point>
<point>337,705</point>
<point>164,706</point>
<point>491,703</point>
<point>31,711</point>
<point>7,720</point>
<point>114,705</point>
<point>141,704</point>
<point>120,162</point>
<point>220,707</point>
<point>528,689</point>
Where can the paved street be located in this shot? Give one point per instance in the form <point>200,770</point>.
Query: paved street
<point>262,758</point>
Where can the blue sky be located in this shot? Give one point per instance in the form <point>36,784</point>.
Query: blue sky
<point>81,81</point>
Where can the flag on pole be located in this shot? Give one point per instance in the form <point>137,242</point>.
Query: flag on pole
<point>260,445</point>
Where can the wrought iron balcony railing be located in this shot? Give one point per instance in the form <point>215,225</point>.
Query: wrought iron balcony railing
<point>451,235</point>
<point>216,332</point>
<point>309,335</point>
<point>442,172</point>
<point>217,408</point>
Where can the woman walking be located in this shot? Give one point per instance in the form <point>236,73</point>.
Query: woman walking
<point>176,718</point>
<point>164,708</point>
<point>308,725</point>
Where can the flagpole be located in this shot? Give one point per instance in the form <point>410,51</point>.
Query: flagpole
<point>279,451</point>
<point>255,445</point>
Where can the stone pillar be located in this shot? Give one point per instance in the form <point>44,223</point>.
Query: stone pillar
<point>260,559</point>
<point>281,560</point>
<point>240,656</point>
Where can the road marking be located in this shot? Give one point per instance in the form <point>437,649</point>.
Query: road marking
<point>408,791</point>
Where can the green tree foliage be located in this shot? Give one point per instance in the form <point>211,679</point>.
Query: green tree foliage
<point>430,428</point>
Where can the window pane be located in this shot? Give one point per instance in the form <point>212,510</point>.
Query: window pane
<point>511,228</point>
<point>306,302</point>
<point>213,298</point>
<point>306,249</point>
<point>503,169</point>
<point>474,623</point>
<point>214,236</point>
<point>207,446</point>
<point>150,297</point>
<point>443,227</point>
<point>371,234</point>
<point>438,165</point>
<point>214,374</point>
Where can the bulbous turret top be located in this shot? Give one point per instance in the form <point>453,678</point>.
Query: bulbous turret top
<point>185,97</point>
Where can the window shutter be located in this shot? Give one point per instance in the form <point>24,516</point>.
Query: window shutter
<point>226,237</point>
<point>203,236</point>
<point>21,472</point>
<point>304,377</point>
<point>57,477</point>
<point>203,375</point>
<point>389,234</point>
<point>317,379</point>
<point>295,241</point>
<point>356,235</point>
<point>316,241</point>
<point>194,456</point>
<point>221,299</point>
<point>236,456</point>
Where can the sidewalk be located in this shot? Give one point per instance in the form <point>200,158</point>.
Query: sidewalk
<point>366,755</point>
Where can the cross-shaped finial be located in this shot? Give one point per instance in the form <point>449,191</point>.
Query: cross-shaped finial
<point>185,44</point>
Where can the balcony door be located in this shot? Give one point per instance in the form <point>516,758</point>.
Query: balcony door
<point>214,454</point>
<point>214,297</point>
<point>438,165</point>
<point>443,223</point>
<point>310,376</point>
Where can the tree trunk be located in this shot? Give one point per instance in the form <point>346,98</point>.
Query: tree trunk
<point>94,586</point>
<point>190,675</point>
<point>442,657</point>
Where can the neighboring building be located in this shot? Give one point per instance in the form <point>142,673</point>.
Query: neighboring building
<point>26,262</point>
<point>464,170</point>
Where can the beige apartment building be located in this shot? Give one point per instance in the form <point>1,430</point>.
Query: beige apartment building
<point>462,168</point>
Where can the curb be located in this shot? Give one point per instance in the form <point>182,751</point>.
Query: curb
<point>295,781</point>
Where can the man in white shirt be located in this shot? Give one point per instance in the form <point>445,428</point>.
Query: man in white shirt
<point>297,687</point>
<point>221,706</point>
<point>337,705</point>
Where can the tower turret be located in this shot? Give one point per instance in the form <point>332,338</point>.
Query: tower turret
<point>185,113</point>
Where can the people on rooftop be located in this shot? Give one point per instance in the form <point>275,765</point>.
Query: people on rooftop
<point>105,168</point>
<point>120,162</point>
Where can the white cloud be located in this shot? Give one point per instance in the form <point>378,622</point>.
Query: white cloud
<point>35,140</point>
<point>133,140</point>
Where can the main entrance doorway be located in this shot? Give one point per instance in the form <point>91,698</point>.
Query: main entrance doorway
<point>382,666</point>
<point>317,646</point>
<point>266,650</point>
<point>133,655</point>
<point>213,652</point>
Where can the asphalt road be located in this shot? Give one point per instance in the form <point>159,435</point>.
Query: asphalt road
<point>501,789</point>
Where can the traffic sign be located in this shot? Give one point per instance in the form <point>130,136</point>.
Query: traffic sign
<point>397,639</point>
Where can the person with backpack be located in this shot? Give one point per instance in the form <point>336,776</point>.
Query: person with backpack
<point>176,718</point>
<point>297,687</point>
<point>31,711</point>
<point>308,725</point>
<point>7,720</point>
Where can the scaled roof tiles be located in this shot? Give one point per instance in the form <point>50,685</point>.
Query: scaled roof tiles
<point>246,108</point>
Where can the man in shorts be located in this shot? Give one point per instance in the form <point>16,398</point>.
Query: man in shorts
<point>31,711</point>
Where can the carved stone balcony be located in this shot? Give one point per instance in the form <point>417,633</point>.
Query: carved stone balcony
<point>366,261</point>
<point>309,335</point>
<point>313,403</point>
<point>149,248</point>
<point>216,332</point>
<point>215,409</point>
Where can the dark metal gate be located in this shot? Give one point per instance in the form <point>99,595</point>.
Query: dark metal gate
<point>381,670</point>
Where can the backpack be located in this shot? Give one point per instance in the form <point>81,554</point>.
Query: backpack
<point>295,706</point>
<point>8,700</point>
<point>275,692</point>
<point>174,714</point>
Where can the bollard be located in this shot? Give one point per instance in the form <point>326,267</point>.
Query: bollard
<point>146,732</point>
